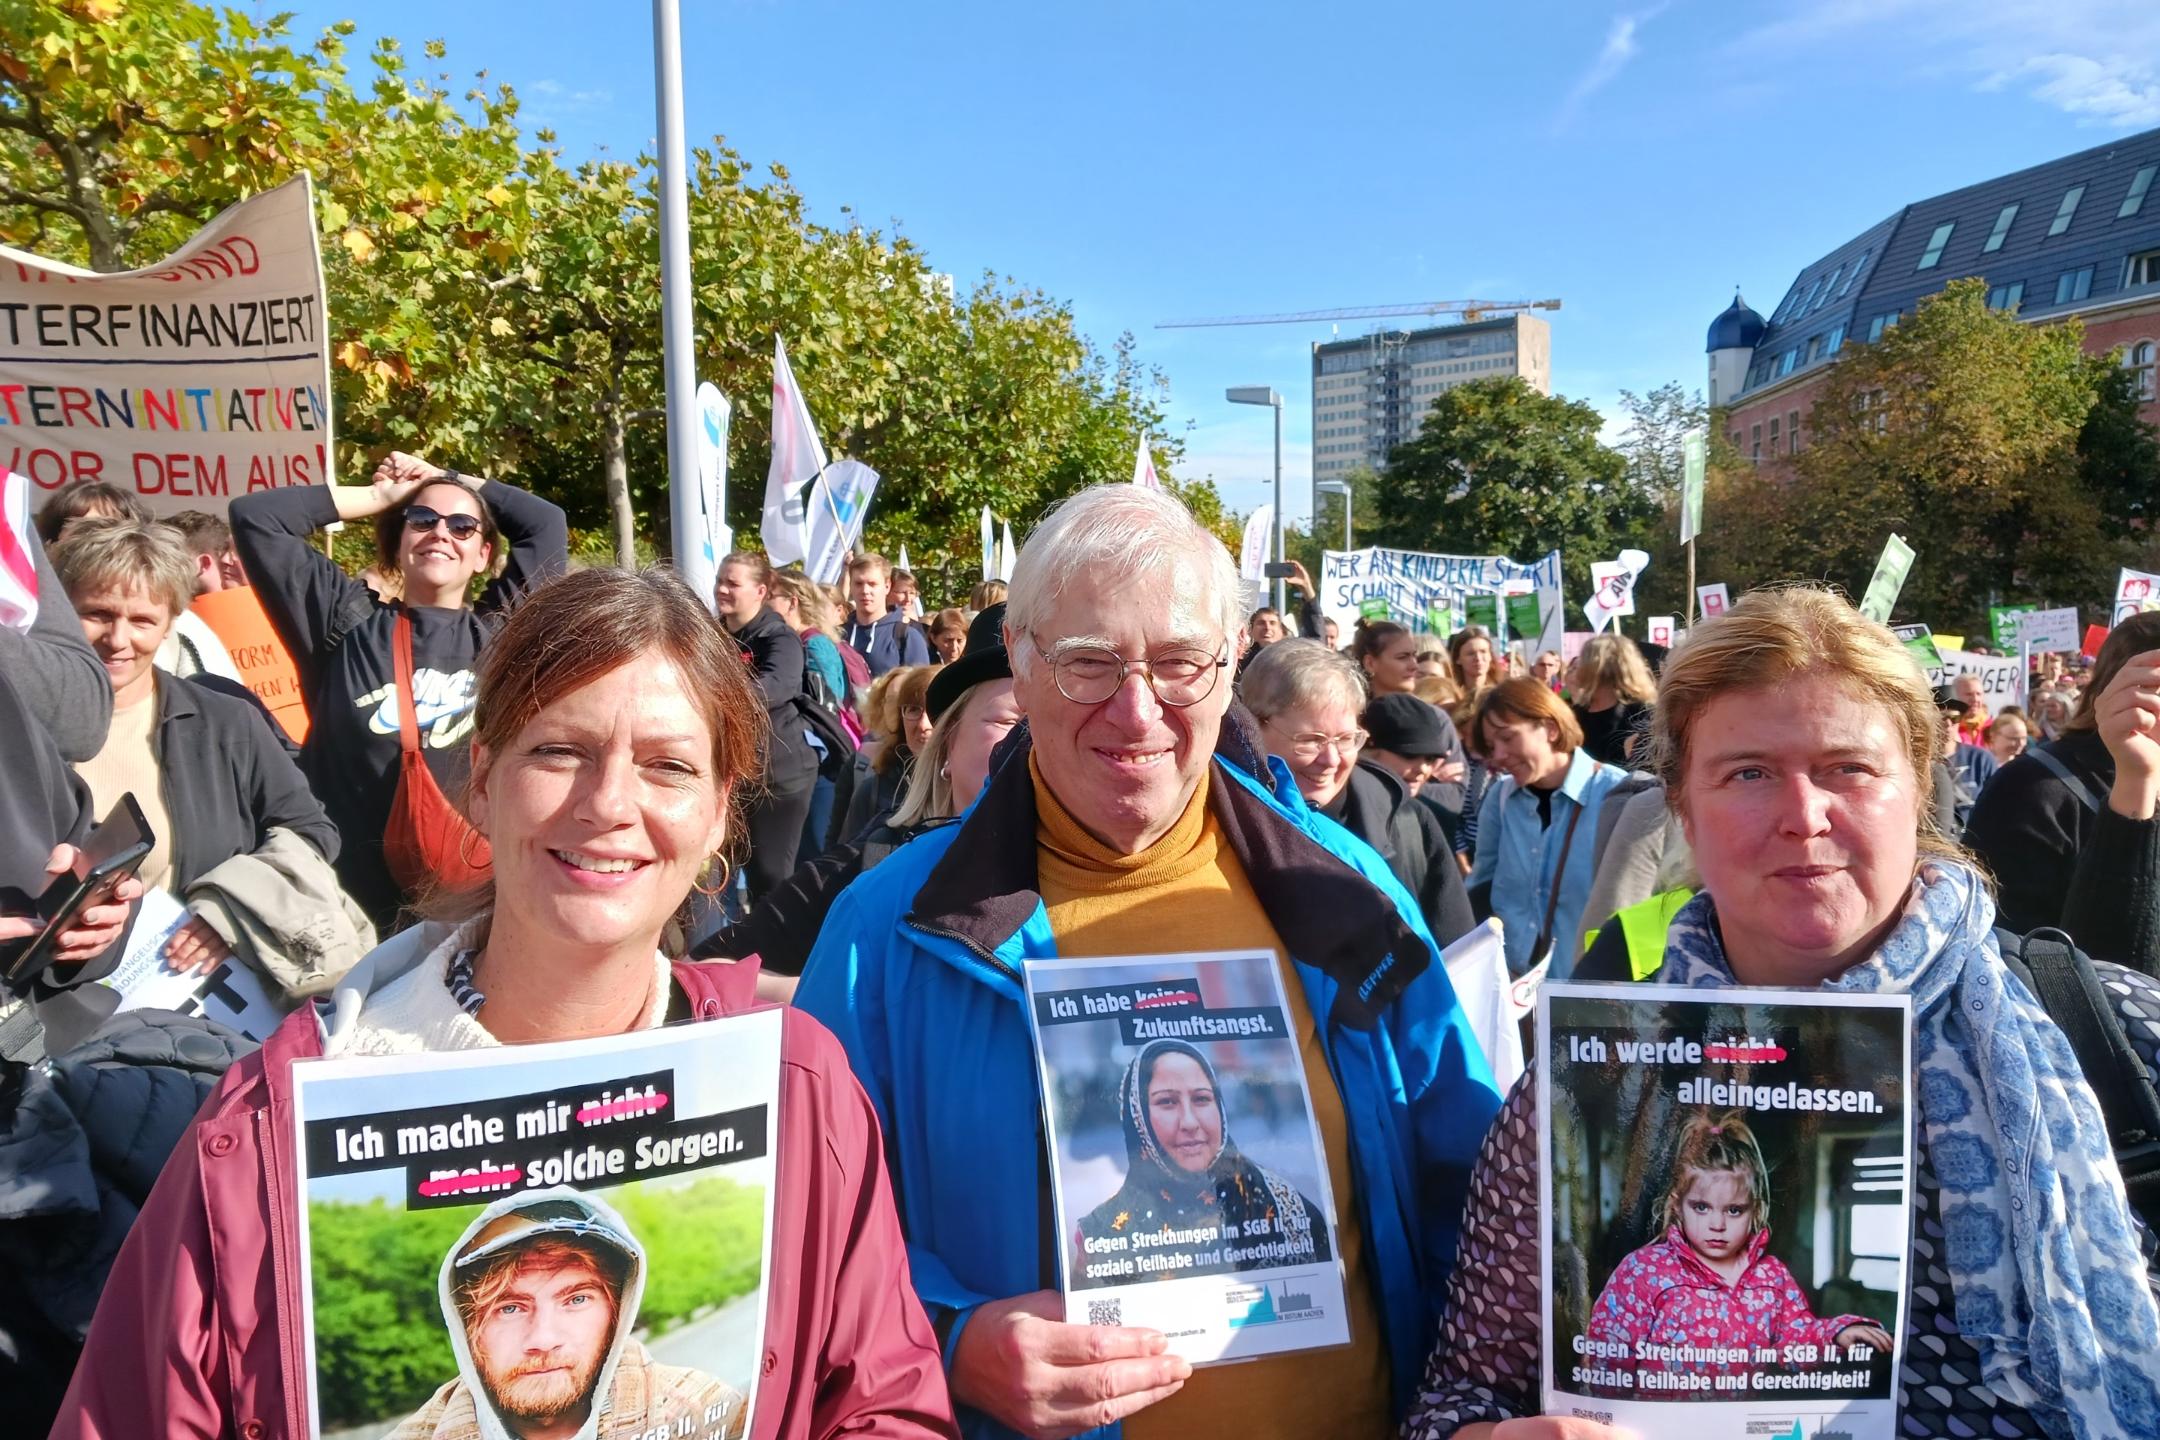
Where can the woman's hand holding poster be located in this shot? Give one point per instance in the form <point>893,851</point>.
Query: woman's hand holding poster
<point>1726,1205</point>
<point>555,1238</point>
<point>1191,1190</point>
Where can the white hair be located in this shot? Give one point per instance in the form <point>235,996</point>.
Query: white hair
<point>1112,537</point>
<point>1292,673</point>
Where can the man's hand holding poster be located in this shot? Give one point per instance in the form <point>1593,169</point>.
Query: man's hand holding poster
<point>1726,1196</point>
<point>1191,1189</point>
<point>566,1238</point>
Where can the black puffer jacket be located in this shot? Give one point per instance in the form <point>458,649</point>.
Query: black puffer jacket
<point>1377,808</point>
<point>81,1144</point>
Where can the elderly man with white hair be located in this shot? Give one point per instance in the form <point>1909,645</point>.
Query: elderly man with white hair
<point>1135,815</point>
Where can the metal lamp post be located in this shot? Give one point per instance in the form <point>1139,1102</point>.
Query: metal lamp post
<point>1265,395</point>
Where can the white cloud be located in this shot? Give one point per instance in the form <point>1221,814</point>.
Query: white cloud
<point>2098,60</point>
<point>1619,48</point>
<point>551,99</point>
<point>2120,93</point>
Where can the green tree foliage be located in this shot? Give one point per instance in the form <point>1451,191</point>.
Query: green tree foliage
<point>380,1343</point>
<point>1499,469</point>
<point>494,304</point>
<point>2003,453</point>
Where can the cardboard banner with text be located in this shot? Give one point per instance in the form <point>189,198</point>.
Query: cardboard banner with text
<point>1412,584</point>
<point>202,377</point>
<point>261,658</point>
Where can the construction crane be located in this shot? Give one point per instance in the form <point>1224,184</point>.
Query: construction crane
<point>1470,310</point>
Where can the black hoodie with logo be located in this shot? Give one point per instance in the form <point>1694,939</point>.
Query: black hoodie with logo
<point>339,635</point>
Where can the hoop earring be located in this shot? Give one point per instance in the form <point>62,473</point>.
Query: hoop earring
<point>719,884</point>
<point>465,847</point>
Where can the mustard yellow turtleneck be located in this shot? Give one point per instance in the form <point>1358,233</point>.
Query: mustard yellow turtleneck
<point>1187,892</point>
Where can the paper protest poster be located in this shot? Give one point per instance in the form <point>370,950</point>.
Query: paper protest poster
<point>1712,600</point>
<point>609,1198</point>
<point>1888,580</point>
<point>199,378</point>
<point>2136,591</point>
<point>2005,623</point>
<point>265,666</point>
<point>1920,644</point>
<point>1525,622</point>
<point>232,995</point>
<point>1612,592</point>
<point>1751,1151</point>
<point>2095,637</point>
<point>1192,1193</point>
<point>1413,584</point>
<point>1661,629</point>
<point>2049,631</point>
<point>1477,968</point>
<point>1483,610</point>
<point>2002,677</point>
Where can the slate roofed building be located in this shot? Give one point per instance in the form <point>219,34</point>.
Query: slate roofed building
<point>2075,236</point>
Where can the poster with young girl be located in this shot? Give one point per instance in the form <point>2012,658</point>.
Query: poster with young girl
<point>1726,1206</point>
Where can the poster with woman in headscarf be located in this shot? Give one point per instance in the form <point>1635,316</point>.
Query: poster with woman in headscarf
<point>1192,1193</point>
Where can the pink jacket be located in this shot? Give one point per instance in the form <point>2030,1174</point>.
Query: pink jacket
<point>1663,1294</point>
<point>198,1333</point>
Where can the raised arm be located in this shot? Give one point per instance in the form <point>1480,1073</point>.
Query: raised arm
<point>53,668</point>
<point>302,590</point>
<point>534,535</point>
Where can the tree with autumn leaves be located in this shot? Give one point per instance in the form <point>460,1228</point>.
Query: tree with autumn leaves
<point>492,301</point>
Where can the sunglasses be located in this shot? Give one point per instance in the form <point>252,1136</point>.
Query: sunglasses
<point>420,519</point>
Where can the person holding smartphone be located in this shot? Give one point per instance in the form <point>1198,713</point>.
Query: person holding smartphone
<point>439,532</point>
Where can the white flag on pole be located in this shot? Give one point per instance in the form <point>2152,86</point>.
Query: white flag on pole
<point>837,507</point>
<point>797,459</point>
<point>1008,558</point>
<point>1143,467</point>
<point>989,547</point>
<point>1259,535</point>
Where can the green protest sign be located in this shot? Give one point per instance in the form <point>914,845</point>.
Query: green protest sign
<point>1889,579</point>
<point>2004,622</point>
<point>1919,642</point>
<point>1483,610</point>
<point>1373,609</point>
<point>1522,616</point>
<point>1695,453</point>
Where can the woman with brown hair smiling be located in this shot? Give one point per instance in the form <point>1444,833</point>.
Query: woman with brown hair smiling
<point>616,731</point>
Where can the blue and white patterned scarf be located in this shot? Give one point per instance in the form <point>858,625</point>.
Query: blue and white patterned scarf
<point>2043,1260</point>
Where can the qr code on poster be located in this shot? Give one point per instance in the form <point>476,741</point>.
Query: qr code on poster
<point>1106,1312</point>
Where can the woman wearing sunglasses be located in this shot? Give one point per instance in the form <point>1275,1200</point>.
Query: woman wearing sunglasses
<point>382,766</point>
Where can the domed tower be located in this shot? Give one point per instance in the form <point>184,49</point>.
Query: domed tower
<point>1733,337</point>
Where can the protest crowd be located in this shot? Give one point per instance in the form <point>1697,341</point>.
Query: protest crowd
<point>1324,870</point>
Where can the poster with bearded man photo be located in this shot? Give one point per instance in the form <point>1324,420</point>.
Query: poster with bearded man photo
<point>546,1242</point>
<point>1192,1189</point>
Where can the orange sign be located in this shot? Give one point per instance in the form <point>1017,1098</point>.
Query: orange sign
<point>257,653</point>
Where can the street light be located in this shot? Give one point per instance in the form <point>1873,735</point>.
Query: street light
<point>1265,395</point>
<point>1342,488</point>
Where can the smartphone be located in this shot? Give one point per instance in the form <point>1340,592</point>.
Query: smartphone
<point>1278,570</point>
<point>115,850</point>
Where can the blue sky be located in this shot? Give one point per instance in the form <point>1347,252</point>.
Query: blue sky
<point>1156,161</point>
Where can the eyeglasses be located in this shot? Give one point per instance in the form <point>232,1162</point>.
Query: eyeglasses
<point>420,519</point>
<point>1089,674</point>
<point>1306,745</point>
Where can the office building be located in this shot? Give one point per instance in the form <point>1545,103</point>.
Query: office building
<point>1370,394</point>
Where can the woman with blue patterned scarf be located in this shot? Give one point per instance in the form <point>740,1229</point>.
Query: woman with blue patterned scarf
<point>1795,742</point>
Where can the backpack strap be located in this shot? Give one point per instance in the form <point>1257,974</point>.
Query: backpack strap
<point>2063,977</point>
<point>2053,763</point>
<point>357,607</point>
